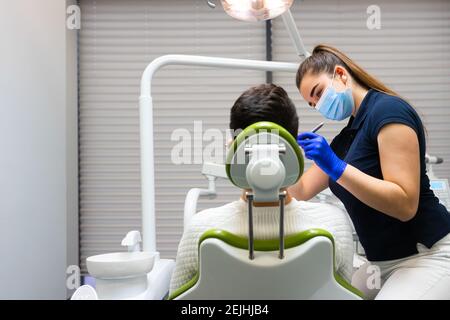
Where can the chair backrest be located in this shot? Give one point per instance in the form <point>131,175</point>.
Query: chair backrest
<point>306,271</point>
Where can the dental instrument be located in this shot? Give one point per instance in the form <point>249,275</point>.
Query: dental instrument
<point>320,125</point>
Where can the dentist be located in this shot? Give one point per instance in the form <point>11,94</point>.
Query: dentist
<point>376,167</point>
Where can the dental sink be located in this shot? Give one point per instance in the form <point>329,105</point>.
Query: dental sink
<point>121,264</point>
<point>132,274</point>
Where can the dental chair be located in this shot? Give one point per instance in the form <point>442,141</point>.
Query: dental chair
<point>264,159</point>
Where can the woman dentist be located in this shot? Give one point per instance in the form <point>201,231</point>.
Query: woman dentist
<point>376,167</point>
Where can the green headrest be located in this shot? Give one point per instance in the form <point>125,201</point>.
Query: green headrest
<point>264,126</point>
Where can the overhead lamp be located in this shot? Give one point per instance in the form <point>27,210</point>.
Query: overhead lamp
<point>255,10</point>
<point>258,10</point>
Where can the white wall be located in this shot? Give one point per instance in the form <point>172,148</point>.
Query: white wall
<point>38,149</point>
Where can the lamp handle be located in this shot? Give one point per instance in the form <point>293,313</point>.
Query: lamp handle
<point>211,4</point>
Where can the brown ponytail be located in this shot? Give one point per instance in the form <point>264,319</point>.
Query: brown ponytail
<point>324,58</point>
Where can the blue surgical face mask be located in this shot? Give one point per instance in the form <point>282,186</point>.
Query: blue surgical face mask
<point>335,105</point>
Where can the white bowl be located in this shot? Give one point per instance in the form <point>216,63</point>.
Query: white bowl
<point>120,264</point>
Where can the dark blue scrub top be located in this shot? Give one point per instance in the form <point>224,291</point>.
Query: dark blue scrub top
<point>384,237</point>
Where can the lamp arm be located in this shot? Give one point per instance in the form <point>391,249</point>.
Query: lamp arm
<point>292,30</point>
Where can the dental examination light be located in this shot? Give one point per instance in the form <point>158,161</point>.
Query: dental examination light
<point>255,10</point>
<point>259,10</point>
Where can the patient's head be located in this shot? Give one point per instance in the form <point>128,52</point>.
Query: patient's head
<point>266,102</point>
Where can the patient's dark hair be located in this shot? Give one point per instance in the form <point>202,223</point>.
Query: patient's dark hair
<point>266,102</point>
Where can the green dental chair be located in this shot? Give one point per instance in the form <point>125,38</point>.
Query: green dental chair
<point>264,159</point>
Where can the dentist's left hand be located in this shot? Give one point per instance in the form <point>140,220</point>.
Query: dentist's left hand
<point>316,148</point>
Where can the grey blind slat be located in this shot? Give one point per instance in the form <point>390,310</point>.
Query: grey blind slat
<point>410,53</point>
<point>117,40</point>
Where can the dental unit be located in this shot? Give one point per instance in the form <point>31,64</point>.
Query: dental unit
<point>263,159</point>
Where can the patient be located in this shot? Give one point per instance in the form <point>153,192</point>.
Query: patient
<point>266,102</point>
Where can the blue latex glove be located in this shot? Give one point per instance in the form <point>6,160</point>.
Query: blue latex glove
<point>316,148</point>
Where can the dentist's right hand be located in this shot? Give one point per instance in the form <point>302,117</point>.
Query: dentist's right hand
<point>316,148</point>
